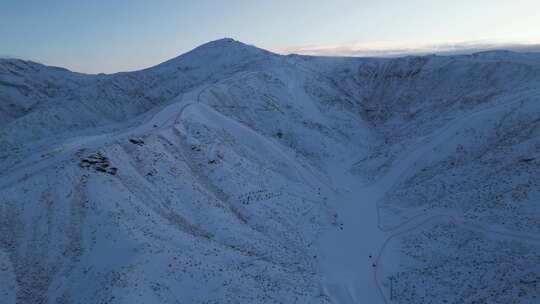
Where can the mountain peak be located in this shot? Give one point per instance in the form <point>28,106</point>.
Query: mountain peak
<point>226,43</point>
<point>225,51</point>
<point>223,41</point>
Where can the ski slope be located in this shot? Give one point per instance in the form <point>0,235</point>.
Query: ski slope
<point>234,175</point>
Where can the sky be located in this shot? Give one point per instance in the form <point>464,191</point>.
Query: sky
<point>122,35</point>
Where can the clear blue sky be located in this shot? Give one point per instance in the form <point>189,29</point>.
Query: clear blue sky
<point>116,35</point>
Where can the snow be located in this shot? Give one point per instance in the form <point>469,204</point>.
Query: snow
<point>233,175</point>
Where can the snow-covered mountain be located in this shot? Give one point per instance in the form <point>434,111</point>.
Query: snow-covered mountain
<point>234,175</point>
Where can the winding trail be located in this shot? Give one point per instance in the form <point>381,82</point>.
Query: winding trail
<point>164,118</point>
<point>351,253</point>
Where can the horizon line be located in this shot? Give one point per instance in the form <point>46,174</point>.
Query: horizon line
<point>398,49</point>
<point>380,49</point>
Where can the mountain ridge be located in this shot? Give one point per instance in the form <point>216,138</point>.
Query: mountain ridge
<point>231,174</point>
<point>227,41</point>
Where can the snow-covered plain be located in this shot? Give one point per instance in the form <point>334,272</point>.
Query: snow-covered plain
<point>234,175</point>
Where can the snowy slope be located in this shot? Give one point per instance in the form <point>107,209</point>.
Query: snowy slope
<point>234,175</point>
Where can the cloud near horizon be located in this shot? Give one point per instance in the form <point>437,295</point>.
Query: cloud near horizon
<point>391,49</point>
